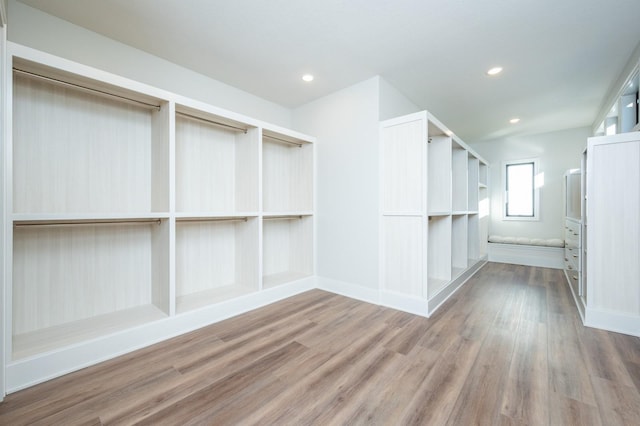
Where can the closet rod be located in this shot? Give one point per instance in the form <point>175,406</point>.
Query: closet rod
<point>298,144</point>
<point>193,117</point>
<point>87,89</point>
<point>212,219</point>
<point>282,217</point>
<point>87,222</point>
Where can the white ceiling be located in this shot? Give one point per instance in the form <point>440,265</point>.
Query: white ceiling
<point>560,56</point>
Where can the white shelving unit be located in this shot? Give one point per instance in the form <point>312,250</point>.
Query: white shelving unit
<point>135,214</point>
<point>432,225</point>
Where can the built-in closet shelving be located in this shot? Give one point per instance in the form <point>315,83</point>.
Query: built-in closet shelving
<point>434,212</point>
<point>135,214</point>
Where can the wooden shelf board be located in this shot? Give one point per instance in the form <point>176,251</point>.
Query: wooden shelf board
<point>274,280</point>
<point>436,213</point>
<point>50,338</point>
<point>189,302</point>
<point>288,213</point>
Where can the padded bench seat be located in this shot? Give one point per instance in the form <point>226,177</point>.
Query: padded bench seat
<point>551,242</point>
<point>548,253</point>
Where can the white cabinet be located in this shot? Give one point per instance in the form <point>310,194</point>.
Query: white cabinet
<point>573,236</point>
<point>434,213</point>
<point>134,214</point>
<point>612,225</point>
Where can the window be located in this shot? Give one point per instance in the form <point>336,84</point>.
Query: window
<point>521,190</point>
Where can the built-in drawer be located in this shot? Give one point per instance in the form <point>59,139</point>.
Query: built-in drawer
<point>571,241</point>
<point>571,234</point>
<point>572,226</point>
<point>572,255</point>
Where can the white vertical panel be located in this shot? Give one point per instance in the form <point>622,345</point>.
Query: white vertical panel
<point>246,171</point>
<point>276,242</point>
<point>439,174</point>
<point>439,253</point>
<point>76,153</point>
<point>205,167</point>
<point>459,179</point>
<point>472,186</point>
<point>160,163</point>
<point>160,266</point>
<point>473,239</point>
<point>205,256</point>
<point>287,249</point>
<point>246,253</point>
<point>459,245</point>
<point>404,257</point>
<point>287,177</point>
<point>403,146</point>
<point>613,212</point>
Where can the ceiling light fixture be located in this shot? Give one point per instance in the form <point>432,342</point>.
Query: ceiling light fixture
<point>494,71</point>
<point>630,105</point>
<point>307,77</point>
<point>514,120</point>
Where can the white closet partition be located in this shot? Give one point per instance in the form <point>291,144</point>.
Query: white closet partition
<point>431,230</point>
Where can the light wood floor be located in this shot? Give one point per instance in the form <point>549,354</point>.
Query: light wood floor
<point>508,349</point>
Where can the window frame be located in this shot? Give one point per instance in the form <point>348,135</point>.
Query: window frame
<point>536,190</point>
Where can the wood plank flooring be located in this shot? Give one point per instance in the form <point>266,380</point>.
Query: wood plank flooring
<point>508,349</point>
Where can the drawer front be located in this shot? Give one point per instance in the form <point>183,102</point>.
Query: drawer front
<point>572,227</point>
<point>573,255</point>
<point>571,241</point>
<point>572,234</point>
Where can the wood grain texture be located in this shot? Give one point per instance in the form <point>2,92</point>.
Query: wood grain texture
<point>403,154</point>
<point>508,349</point>
<point>75,152</point>
<point>287,177</point>
<point>216,168</point>
<point>287,246</point>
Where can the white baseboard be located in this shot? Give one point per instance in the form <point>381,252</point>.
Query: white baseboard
<point>443,295</point>
<point>354,291</point>
<point>405,303</point>
<point>518,254</point>
<point>612,321</point>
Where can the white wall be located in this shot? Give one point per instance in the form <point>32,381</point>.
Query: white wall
<point>557,152</point>
<point>36,29</point>
<point>346,126</point>
<point>393,103</point>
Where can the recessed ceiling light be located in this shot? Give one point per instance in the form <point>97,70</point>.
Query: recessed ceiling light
<point>494,71</point>
<point>307,77</point>
<point>514,120</point>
